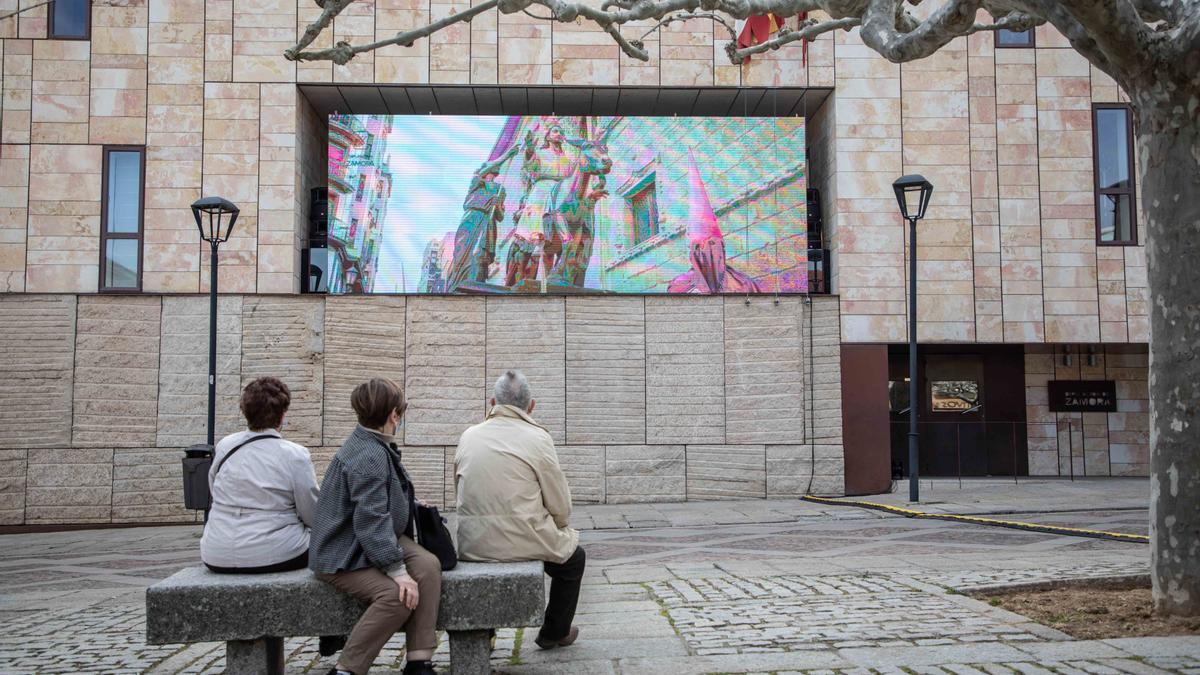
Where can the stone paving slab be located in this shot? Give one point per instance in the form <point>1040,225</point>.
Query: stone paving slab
<point>812,589</point>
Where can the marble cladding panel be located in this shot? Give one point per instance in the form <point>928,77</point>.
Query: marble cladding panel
<point>69,485</point>
<point>262,30</point>
<point>529,335</point>
<point>364,338</point>
<point>606,370</point>
<point>37,373</point>
<point>985,204</point>
<point>1019,196</point>
<point>115,398</point>
<point>485,48</point>
<point>867,235</point>
<point>523,50</point>
<point>278,229</point>
<point>450,48</point>
<point>18,91</point>
<point>444,368</point>
<point>232,149</point>
<point>644,473</point>
<point>356,25</point>
<point>284,337</point>
<point>726,472</point>
<point>119,59</point>
<point>174,145</point>
<point>396,63</point>
<point>764,377</point>
<point>1069,251</point>
<point>146,487</point>
<point>685,370</point>
<point>63,254</point>
<point>183,370</point>
<point>61,77</point>
<point>218,40</point>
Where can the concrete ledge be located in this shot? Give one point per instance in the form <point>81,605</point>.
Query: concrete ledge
<point>195,605</point>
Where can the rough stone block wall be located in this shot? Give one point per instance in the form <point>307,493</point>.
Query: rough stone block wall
<point>364,338</point>
<point>116,371</point>
<point>284,337</point>
<point>444,368</point>
<point>118,386</point>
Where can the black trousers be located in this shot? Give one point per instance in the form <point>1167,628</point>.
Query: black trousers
<point>297,563</point>
<point>565,580</point>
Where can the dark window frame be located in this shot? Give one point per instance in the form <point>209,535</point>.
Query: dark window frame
<point>1032,40</point>
<point>87,26</point>
<point>105,235</point>
<point>1131,191</point>
<point>645,191</point>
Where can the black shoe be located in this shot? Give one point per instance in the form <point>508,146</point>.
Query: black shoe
<point>328,645</point>
<point>419,668</point>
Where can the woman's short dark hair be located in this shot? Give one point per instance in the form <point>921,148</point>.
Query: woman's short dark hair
<point>264,401</point>
<point>374,400</point>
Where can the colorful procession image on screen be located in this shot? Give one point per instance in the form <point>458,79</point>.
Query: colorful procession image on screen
<point>556,204</point>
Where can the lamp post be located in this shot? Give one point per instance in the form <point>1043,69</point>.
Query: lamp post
<point>215,217</point>
<point>912,192</point>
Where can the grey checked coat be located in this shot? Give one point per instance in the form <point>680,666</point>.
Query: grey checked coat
<point>363,508</point>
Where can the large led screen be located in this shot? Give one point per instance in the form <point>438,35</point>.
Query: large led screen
<point>556,204</point>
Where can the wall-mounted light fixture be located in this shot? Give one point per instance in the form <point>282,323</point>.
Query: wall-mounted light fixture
<point>1068,358</point>
<point>1091,356</point>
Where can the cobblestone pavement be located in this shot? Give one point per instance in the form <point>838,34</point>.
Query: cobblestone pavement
<point>809,589</point>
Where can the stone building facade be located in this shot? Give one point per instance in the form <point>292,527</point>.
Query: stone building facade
<point>101,389</point>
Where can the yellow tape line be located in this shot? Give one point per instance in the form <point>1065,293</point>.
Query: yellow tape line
<point>1051,529</point>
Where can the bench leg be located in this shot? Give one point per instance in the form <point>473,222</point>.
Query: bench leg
<point>263,656</point>
<point>471,652</point>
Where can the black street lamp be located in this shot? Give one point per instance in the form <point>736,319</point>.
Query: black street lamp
<point>215,217</point>
<point>913,193</point>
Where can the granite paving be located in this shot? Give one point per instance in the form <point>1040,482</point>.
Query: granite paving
<point>755,586</point>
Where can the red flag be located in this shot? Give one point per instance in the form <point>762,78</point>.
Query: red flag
<point>759,29</point>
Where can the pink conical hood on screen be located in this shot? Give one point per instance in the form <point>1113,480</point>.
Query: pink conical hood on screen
<point>701,221</point>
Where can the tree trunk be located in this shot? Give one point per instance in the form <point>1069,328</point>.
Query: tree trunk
<point>1170,163</point>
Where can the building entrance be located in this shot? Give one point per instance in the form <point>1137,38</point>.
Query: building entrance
<point>972,410</point>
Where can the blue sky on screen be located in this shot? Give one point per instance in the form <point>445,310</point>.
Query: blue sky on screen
<point>432,161</point>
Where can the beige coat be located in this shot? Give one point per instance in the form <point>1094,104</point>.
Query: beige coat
<point>513,500</point>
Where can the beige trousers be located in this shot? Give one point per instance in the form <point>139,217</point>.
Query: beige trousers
<point>386,614</point>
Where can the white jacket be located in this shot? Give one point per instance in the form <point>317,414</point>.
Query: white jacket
<point>263,501</point>
<point>513,499</point>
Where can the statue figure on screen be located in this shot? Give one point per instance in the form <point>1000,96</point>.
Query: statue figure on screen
<point>574,219</point>
<point>710,273</point>
<point>475,240</point>
<point>546,166</point>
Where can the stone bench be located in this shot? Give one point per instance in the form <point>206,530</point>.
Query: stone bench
<point>252,613</point>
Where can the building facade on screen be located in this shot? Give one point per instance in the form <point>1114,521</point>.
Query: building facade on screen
<point>701,267</point>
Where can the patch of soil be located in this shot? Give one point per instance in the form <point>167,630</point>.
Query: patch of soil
<point>1094,611</point>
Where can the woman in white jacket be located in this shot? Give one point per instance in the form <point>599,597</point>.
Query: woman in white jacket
<point>264,491</point>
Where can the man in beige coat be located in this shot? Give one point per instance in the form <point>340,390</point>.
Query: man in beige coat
<point>514,503</point>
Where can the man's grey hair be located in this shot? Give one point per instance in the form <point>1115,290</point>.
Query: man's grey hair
<point>513,389</point>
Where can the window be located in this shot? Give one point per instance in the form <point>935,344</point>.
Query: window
<point>1116,211</point>
<point>70,19</point>
<point>1009,39</point>
<point>362,185</point>
<point>121,219</point>
<point>643,204</point>
<point>369,145</point>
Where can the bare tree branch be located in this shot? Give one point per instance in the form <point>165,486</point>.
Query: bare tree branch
<point>330,9</point>
<point>342,52</point>
<point>811,29</point>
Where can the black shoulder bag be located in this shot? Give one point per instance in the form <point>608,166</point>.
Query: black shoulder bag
<point>428,526</point>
